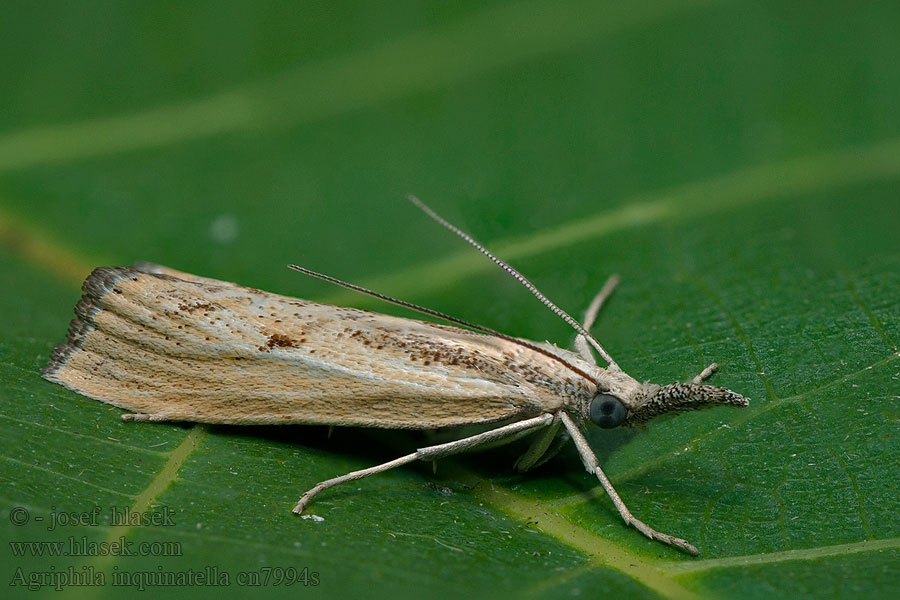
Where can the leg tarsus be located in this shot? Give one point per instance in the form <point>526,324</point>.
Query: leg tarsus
<point>593,466</point>
<point>430,453</point>
<point>324,485</point>
<point>662,537</point>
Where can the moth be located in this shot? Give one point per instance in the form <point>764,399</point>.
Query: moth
<point>171,346</point>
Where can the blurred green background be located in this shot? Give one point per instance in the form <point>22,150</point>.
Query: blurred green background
<point>737,163</point>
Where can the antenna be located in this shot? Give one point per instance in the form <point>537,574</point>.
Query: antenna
<point>521,279</point>
<point>440,315</point>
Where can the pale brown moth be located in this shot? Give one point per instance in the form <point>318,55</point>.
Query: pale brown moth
<point>170,346</point>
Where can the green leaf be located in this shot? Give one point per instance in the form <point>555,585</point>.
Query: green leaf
<point>737,165</point>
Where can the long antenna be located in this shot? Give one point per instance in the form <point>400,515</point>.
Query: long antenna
<point>440,315</point>
<point>521,279</point>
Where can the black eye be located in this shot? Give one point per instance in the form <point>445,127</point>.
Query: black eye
<point>607,411</point>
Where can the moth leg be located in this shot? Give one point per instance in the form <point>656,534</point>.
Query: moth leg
<point>705,373</point>
<point>538,448</point>
<point>430,453</point>
<point>593,466</point>
<point>590,316</point>
<point>558,444</point>
<point>147,417</point>
<point>504,441</point>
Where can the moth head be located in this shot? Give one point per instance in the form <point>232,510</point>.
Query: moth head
<point>642,403</point>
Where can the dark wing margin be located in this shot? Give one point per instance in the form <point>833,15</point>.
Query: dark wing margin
<point>100,282</point>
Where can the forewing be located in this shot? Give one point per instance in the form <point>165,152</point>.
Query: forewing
<point>189,348</point>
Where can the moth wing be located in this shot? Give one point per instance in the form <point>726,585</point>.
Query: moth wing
<point>155,269</point>
<point>158,341</point>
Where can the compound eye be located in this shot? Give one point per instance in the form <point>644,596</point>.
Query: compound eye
<point>607,411</point>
